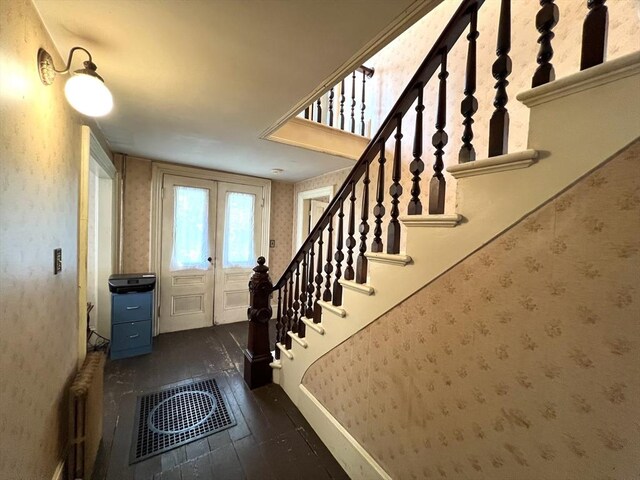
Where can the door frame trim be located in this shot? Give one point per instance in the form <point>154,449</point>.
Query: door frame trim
<point>158,170</point>
<point>309,195</point>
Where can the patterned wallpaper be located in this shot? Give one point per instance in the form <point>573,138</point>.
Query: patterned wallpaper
<point>519,362</point>
<point>39,162</point>
<point>136,232</point>
<point>281,228</point>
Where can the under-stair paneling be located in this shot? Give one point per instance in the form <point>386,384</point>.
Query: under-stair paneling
<point>520,361</point>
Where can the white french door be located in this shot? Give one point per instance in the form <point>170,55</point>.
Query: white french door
<point>187,250</point>
<point>239,244</point>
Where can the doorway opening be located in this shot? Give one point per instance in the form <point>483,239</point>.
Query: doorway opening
<point>310,205</point>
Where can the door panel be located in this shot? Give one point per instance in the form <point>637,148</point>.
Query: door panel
<point>240,239</point>
<point>316,209</point>
<point>188,245</point>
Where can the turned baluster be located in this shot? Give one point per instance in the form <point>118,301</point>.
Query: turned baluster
<point>362,263</point>
<point>303,298</point>
<point>546,19</point>
<point>349,273</point>
<point>342,98</point>
<point>395,190</point>
<point>499,123</point>
<point>339,256</point>
<point>285,318</point>
<point>290,319</point>
<point>319,110</point>
<point>328,267</point>
<point>363,107</point>
<point>594,34</point>
<point>295,319</point>
<point>417,165</point>
<point>331,94</point>
<point>438,185</point>
<point>307,113</point>
<point>469,105</point>
<point>317,309</point>
<point>353,102</point>
<point>310,286</point>
<point>278,323</point>
<point>379,210</point>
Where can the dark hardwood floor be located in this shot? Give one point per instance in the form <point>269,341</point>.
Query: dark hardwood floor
<point>271,440</point>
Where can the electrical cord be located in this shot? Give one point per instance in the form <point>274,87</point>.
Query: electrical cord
<point>100,343</point>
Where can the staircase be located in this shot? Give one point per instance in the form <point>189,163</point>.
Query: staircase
<point>365,256</point>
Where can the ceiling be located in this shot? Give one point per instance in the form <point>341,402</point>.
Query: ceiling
<point>197,82</point>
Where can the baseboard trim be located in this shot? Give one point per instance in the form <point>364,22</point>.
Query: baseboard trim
<point>352,456</point>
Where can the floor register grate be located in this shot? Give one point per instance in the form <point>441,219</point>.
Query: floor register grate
<point>177,415</point>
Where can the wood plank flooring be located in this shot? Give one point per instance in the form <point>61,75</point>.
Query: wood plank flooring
<point>271,440</point>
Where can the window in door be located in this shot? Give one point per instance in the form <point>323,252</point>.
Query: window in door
<point>241,234</point>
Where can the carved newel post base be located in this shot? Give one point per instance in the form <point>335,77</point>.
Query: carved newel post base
<point>257,355</point>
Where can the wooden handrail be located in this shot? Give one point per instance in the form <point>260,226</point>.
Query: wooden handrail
<point>445,42</point>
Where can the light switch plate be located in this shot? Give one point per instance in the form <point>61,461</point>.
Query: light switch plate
<point>272,244</point>
<point>57,261</point>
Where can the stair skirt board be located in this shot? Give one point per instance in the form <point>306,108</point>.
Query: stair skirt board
<point>351,456</point>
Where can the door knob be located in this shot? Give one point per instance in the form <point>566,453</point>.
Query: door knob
<point>210,260</point>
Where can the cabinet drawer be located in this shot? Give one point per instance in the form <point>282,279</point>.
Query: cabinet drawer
<point>132,307</point>
<point>126,336</point>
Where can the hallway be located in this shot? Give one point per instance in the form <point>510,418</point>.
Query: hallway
<point>271,439</point>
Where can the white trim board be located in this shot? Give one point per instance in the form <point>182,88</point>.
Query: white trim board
<point>351,456</point>
<point>327,191</point>
<point>100,156</point>
<point>158,170</point>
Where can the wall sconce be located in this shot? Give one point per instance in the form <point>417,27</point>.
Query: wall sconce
<point>85,89</point>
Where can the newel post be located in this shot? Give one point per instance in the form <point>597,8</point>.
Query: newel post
<point>257,355</point>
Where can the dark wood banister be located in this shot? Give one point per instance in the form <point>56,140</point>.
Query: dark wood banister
<point>447,39</point>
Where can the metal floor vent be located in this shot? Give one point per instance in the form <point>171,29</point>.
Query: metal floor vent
<point>178,415</point>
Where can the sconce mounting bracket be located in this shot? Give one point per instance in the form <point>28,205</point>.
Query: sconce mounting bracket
<point>45,67</point>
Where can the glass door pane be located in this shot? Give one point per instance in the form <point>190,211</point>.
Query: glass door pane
<point>190,229</point>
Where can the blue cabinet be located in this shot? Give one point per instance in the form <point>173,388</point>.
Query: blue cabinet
<point>131,324</point>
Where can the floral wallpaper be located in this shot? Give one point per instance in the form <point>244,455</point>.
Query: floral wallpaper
<point>521,362</point>
<point>40,145</point>
<point>280,228</point>
<point>136,215</point>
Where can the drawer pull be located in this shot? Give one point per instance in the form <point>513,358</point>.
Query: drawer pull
<point>134,336</point>
<point>133,308</point>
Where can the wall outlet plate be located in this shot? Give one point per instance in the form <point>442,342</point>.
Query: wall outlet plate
<point>57,261</point>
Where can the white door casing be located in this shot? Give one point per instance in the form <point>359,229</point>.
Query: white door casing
<point>236,252</point>
<point>187,278</point>
<point>302,210</point>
